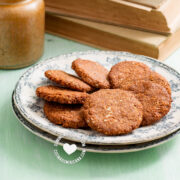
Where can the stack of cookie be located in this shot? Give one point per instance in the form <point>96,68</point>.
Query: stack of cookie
<point>112,103</point>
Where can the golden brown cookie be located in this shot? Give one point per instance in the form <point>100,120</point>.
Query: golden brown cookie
<point>127,72</point>
<point>155,99</point>
<point>157,78</point>
<point>92,73</point>
<point>67,80</point>
<point>60,95</point>
<point>113,111</point>
<point>69,116</point>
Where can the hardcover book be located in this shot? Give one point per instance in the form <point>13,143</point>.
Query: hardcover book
<point>112,37</point>
<point>160,16</point>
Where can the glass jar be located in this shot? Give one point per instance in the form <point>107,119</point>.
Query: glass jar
<point>21,32</point>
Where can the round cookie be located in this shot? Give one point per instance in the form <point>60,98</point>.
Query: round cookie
<point>92,73</point>
<point>127,72</point>
<point>157,78</point>
<point>60,95</point>
<point>113,111</point>
<point>69,116</point>
<point>67,80</point>
<point>155,99</point>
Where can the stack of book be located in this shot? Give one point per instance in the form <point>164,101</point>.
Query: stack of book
<point>150,28</point>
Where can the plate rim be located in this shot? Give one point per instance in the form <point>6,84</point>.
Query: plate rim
<point>115,53</point>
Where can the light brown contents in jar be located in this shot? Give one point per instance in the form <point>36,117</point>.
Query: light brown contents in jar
<point>21,32</point>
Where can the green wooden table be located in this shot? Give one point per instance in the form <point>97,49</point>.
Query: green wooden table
<point>25,156</point>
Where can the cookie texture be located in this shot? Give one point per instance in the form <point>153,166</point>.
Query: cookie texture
<point>155,99</point>
<point>67,80</point>
<point>157,78</point>
<point>60,95</point>
<point>113,111</point>
<point>127,72</point>
<point>69,116</point>
<point>92,73</point>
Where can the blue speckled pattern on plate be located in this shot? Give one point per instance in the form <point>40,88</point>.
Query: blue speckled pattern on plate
<point>89,147</point>
<point>31,107</point>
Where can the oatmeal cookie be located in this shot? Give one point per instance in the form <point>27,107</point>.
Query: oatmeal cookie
<point>113,111</point>
<point>67,80</point>
<point>69,116</point>
<point>157,78</point>
<point>92,73</point>
<point>60,95</point>
<point>127,72</point>
<point>155,99</point>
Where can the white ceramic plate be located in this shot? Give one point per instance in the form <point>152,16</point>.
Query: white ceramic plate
<point>89,147</point>
<point>31,107</point>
